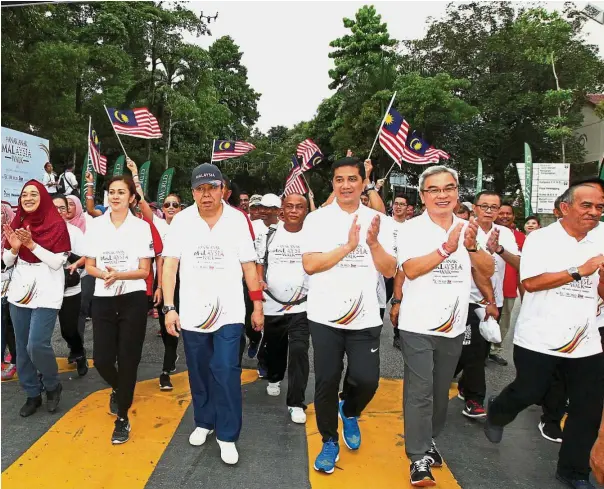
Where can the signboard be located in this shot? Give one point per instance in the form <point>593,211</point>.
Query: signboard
<point>23,159</point>
<point>550,180</point>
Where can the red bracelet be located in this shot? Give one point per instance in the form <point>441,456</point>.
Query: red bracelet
<point>256,295</point>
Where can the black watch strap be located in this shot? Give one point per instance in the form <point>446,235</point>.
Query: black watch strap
<point>394,301</point>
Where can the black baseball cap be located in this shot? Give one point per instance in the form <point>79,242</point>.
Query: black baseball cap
<point>206,173</point>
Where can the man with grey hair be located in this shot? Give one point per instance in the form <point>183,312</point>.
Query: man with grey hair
<point>436,251</point>
<point>562,270</point>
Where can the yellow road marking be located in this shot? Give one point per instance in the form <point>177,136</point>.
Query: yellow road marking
<point>76,452</point>
<point>63,367</point>
<point>381,461</point>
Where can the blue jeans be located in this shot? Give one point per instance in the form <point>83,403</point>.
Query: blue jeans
<point>215,379</point>
<point>33,333</point>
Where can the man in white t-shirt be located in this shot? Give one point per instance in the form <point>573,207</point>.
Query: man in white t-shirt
<point>346,246</point>
<point>557,328</point>
<point>212,244</point>
<point>399,217</point>
<point>49,179</point>
<point>437,252</point>
<point>69,180</point>
<point>270,205</point>
<point>285,290</point>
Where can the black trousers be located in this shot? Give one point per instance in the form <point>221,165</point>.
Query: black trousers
<point>283,333</point>
<point>554,401</point>
<point>8,333</point>
<point>170,342</point>
<point>119,326</point>
<point>361,382</point>
<point>584,379</point>
<point>68,319</point>
<point>87,282</point>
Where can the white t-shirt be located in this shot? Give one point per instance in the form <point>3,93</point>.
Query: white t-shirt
<point>120,248</point>
<point>561,321</point>
<point>600,313</point>
<point>71,183</point>
<point>507,240</point>
<point>78,247</point>
<point>259,228</point>
<point>285,277</point>
<point>437,302</point>
<point>211,287</point>
<point>162,227</point>
<point>49,178</point>
<point>344,296</point>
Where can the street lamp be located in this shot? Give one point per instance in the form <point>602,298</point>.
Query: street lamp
<point>170,126</point>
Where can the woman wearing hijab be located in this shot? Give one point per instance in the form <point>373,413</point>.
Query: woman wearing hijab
<point>37,243</point>
<point>75,213</point>
<point>8,333</point>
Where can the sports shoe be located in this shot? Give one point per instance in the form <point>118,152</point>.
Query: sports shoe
<point>352,433</point>
<point>121,432</point>
<point>173,368</point>
<point>575,483</point>
<point>396,343</point>
<point>228,452</point>
<point>113,403</point>
<point>199,435</point>
<point>164,382</point>
<point>53,397</point>
<point>273,388</point>
<point>493,432</point>
<point>31,406</point>
<point>551,432</point>
<point>327,458</point>
<point>252,350</point>
<point>473,409</point>
<point>297,414</point>
<point>420,473</point>
<point>81,365</point>
<point>498,359</point>
<point>460,394</point>
<point>9,371</point>
<point>436,459</point>
<point>71,358</point>
<point>262,372</point>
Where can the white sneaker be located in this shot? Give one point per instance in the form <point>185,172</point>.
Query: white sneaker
<point>273,388</point>
<point>198,437</point>
<point>298,415</point>
<point>228,452</point>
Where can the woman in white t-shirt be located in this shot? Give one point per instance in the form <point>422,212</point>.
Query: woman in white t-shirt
<point>119,248</point>
<point>37,243</point>
<point>72,296</point>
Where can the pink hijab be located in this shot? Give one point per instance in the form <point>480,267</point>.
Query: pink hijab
<point>7,217</point>
<point>78,220</point>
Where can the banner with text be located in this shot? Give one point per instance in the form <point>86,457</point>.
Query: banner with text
<point>165,184</point>
<point>550,180</point>
<point>143,175</point>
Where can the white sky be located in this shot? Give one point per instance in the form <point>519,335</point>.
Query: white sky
<point>285,45</point>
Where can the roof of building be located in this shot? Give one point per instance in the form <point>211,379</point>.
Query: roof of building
<point>595,98</point>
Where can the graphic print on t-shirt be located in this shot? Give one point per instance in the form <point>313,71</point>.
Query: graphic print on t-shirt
<point>572,345</point>
<point>213,316</point>
<point>298,294</point>
<point>120,287</point>
<point>448,272</point>
<point>355,259</point>
<point>29,295</point>
<point>352,313</point>
<point>208,257</point>
<point>447,326</point>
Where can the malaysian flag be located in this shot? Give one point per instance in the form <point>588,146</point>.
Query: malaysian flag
<point>419,152</point>
<point>310,154</point>
<point>139,123</point>
<point>223,150</point>
<point>99,162</point>
<point>295,183</point>
<point>393,135</point>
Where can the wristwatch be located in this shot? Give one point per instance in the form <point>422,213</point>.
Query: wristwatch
<point>500,250</point>
<point>574,273</point>
<point>394,301</point>
<point>167,309</point>
<point>370,186</point>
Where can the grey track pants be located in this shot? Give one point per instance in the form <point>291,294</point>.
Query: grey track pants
<point>430,363</point>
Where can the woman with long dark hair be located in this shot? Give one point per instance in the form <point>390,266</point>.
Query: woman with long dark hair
<point>119,248</point>
<point>37,243</point>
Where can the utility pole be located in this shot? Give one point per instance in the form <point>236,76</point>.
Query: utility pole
<point>169,142</point>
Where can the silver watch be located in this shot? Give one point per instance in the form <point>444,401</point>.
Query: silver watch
<point>574,273</point>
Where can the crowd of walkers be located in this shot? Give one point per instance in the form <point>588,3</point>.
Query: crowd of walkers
<point>283,273</point>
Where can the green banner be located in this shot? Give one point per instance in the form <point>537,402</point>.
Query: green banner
<point>118,168</point>
<point>165,183</point>
<point>479,177</point>
<point>143,175</point>
<point>528,180</point>
<point>86,167</point>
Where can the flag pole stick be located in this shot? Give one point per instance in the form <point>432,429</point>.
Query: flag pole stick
<point>305,181</point>
<point>382,123</point>
<point>116,134</point>
<point>388,172</point>
<point>212,157</point>
<point>88,163</point>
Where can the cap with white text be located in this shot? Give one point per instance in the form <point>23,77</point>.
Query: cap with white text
<point>206,173</point>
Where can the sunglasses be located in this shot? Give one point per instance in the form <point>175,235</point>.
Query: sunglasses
<point>167,205</point>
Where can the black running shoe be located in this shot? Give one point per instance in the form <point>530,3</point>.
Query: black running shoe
<point>551,431</point>
<point>164,382</point>
<point>436,459</point>
<point>82,365</point>
<point>493,432</point>
<point>121,433</point>
<point>173,367</point>
<point>52,398</point>
<point>396,343</point>
<point>113,403</point>
<point>71,358</point>
<point>31,406</point>
<point>498,359</point>
<point>421,475</point>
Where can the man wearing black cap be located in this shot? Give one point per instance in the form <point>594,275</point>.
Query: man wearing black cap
<point>212,242</point>
<point>562,270</point>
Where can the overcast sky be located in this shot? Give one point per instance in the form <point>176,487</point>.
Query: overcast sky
<point>285,45</point>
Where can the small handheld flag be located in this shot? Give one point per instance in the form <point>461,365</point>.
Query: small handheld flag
<point>393,135</point>
<point>310,154</point>
<point>99,162</point>
<point>223,150</point>
<point>295,181</point>
<point>139,123</point>
<point>418,151</point>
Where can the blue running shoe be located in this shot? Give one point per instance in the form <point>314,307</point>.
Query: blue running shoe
<point>252,350</point>
<point>262,372</point>
<point>352,433</point>
<point>326,460</point>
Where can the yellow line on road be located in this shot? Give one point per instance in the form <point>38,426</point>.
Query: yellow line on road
<point>77,453</point>
<point>381,461</point>
<point>63,367</point>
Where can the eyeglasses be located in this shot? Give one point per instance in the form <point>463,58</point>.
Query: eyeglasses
<point>398,204</point>
<point>167,205</point>
<point>62,209</point>
<point>449,190</point>
<point>487,207</point>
